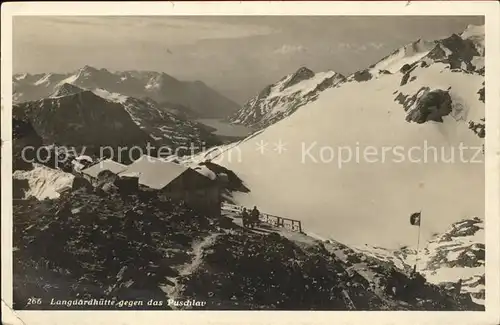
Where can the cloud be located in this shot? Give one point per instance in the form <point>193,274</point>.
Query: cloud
<point>127,29</point>
<point>290,49</point>
<point>377,46</point>
<point>357,47</point>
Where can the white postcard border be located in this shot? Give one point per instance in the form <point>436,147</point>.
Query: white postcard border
<point>490,9</point>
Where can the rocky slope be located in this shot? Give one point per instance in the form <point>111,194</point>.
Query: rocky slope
<point>456,254</point>
<point>101,245</point>
<point>81,119</point>
<point>284,97</point>
<point>196,96</point>
<point>24,135</point>
<point>166,127</point>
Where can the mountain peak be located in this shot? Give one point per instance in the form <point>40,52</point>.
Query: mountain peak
<point>303,70</point>
<point>473,30</point>
<point>199,83</point>
<point>88,68</point>
<point>301,74</point>
<point>66,89</point>
<point>283,98</point>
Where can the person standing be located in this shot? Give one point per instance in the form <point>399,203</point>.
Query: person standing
<point>255,214</point>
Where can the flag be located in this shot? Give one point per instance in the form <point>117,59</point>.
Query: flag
<point>415,219</point>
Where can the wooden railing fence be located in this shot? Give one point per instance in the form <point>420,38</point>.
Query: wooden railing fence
<point>290,224</point>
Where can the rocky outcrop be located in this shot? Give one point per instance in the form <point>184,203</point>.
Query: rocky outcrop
<point>363,75</point>
<point>457,52</point>
<point>405,68</point>
<point>431,106</point>
<point>479,128</point>
<point>481,93</point>
<point>459,251</point>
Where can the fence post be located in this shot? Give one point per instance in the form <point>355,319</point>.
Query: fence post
<point>300,226</point>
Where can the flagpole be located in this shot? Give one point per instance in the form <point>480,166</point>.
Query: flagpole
<point>418,241</point>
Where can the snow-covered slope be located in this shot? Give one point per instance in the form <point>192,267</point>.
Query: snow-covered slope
<point>44,182</point>
<point>283,98</point>
<point>399,137</point>
<point>456,254</point>
<point>161,87</point>
<point>406,55</point>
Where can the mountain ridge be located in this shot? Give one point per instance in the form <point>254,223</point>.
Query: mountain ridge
<point>73,116</point>
<point>159,86</point>
<point>283,98</point>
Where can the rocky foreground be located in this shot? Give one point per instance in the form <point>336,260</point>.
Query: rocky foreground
<point>90,244</point>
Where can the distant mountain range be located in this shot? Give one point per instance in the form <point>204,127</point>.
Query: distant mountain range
<point>195,96</point>
<point>73,116</point>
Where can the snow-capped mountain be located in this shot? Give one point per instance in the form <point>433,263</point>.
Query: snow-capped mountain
<point>354,163</point>
<point>454,255</point>
<point>284,97</point>
<point>165,127</point>
<point>104,118</point>
<point>461,53</point>
<point>158,86</point>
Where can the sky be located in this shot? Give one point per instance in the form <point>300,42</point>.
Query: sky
<point>237,56</point>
